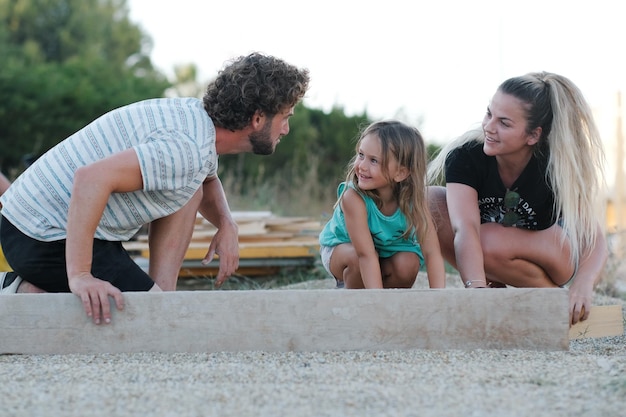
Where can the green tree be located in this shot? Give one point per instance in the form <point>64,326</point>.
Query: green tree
<point>66,62</point>
<point>186,83</point>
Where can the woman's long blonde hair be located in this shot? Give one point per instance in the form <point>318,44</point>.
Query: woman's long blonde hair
<point>570,137</point>
<point>406,145</point>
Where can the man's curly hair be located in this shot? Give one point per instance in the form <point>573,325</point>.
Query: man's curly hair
<point>251,83</point>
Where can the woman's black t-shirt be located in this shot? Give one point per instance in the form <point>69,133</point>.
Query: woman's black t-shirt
<point>534,209</point>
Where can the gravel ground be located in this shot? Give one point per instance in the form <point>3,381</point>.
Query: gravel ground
<point>588,380</point>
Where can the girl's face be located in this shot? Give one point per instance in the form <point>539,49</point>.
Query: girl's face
<point>504,126</point>
<point>368,165</point>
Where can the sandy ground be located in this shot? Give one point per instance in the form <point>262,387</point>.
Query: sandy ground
<point>588,380</point>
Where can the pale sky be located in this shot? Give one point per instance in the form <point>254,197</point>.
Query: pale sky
<point>434,63</point>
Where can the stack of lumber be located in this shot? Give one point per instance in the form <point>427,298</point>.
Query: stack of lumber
<point>266,244</point>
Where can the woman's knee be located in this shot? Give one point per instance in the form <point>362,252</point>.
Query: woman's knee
<point>437,202</point>
<point>438,207</point>
<point>494,251</point>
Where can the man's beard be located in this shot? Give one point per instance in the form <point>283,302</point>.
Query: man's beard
<point>261,141</point>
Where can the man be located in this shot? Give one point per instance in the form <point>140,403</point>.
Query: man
<point>152,162</point>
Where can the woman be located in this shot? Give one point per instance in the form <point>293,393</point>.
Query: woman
<point>535,170</point>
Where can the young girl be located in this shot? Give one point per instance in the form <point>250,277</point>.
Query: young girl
<point>520,203</point>
<point>381,213</point>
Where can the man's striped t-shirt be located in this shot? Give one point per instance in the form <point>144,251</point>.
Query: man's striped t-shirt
<point>174,140</point>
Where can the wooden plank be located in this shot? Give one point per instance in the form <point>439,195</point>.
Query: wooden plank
<point>291,320</point>
<point>258,251</point>
<point>265,249</point>
<point>246,271</point>
<point>603,321</point>
<point>247,266</point>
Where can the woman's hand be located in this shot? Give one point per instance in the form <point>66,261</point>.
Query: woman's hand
<point>580,299</point>
<point>587,277</point>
